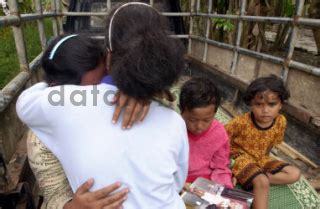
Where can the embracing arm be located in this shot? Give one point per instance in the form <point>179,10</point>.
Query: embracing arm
<point>49,174</point>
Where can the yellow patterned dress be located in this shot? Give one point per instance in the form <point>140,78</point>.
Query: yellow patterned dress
<point>251,146</point>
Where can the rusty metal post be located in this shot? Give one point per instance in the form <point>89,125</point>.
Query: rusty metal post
<point>19,38</point>
<point>192,5</point>
<point>108,5</point>
<point>298,13</point>
<point>55,26</point>
<point>238,40</point>
<point>198,6</point>
<point>151,2</point>
<point>278,60</point>
<point>59,17</point>
<point>207,31</point>
<point>15,85</point>
<point>42,34</point>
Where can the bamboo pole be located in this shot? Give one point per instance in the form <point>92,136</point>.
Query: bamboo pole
<point>42,35</point>
<point>205,53</point>
<point>298,13</point>
<point>238,40</point>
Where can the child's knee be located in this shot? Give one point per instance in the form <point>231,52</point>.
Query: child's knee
<point>294,173</point>
<point>261,181</point>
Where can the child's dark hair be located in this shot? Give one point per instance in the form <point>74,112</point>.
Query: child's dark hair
<point>271,83</point>
<point>199,92</point>
<point>144,59</point>
<point>75,56</point>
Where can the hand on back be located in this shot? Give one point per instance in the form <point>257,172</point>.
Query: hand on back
<point>105,198</point>
<point>134,110</point>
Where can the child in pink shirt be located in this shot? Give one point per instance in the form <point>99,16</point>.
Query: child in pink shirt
<point>208,140</point>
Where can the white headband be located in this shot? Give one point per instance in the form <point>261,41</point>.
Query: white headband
<point>114,14</point>
<point>53,51</point>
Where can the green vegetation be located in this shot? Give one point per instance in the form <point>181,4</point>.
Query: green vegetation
<point>9,64</point>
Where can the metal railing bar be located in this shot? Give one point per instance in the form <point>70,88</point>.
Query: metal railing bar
<point>176,14</point>
<point>171,14</point>
<point>277,60</point>
<point>207,31</point>
<point>212,42</point>
<point>6,21</point>
<point>198,6</point>
<point>19,38</point>
<point>55,27</point>
<point>304,67</point>
<point>8,93</point>
<point>192,5</point>
<point>278,20</point>
<point>238,39</point>
<point>201,14</point>
<point>25,17</point>
<point>108,5</point>
<point>42,34</point>
<point>59,17</point>
<point>309,22</point>
<point>30,17</point>
<point>84,14</point>
<point>292,41</point>
<point>14,20</point>
<point>180,36</point>
<point>12,89</point>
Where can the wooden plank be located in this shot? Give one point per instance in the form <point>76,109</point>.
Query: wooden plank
<point>294,154</point>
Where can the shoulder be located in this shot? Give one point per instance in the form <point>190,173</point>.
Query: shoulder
<point>217,125</point>
<point>30,100</point>
<point>164,114</point>
<point>281,120</point>
<point>218,129</point>
<point>239,120</point>
<point>36,89</point>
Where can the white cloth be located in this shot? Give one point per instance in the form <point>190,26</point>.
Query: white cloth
<point>150,159</point>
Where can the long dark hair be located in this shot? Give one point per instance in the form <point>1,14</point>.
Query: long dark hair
<point>272,83</point>
<point>145,59</point>
<point>69,61</point>
<point>199,92</point>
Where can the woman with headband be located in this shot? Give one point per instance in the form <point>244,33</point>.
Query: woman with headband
<point>150,159</point>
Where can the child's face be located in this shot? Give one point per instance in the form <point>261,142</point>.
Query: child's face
<point>199,119</point>
<point>265,107</point>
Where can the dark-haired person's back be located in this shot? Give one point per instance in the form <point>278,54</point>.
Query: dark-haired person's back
<point>150,159</point>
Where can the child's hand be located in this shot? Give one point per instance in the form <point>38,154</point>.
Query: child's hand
<point>134,109</point>
<point>186,187</point>
<point>234,181</point>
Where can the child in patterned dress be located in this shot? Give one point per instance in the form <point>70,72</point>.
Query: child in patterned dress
<point>253,135</point>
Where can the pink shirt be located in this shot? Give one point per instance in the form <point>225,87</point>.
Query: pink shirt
<point>209,155</point>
